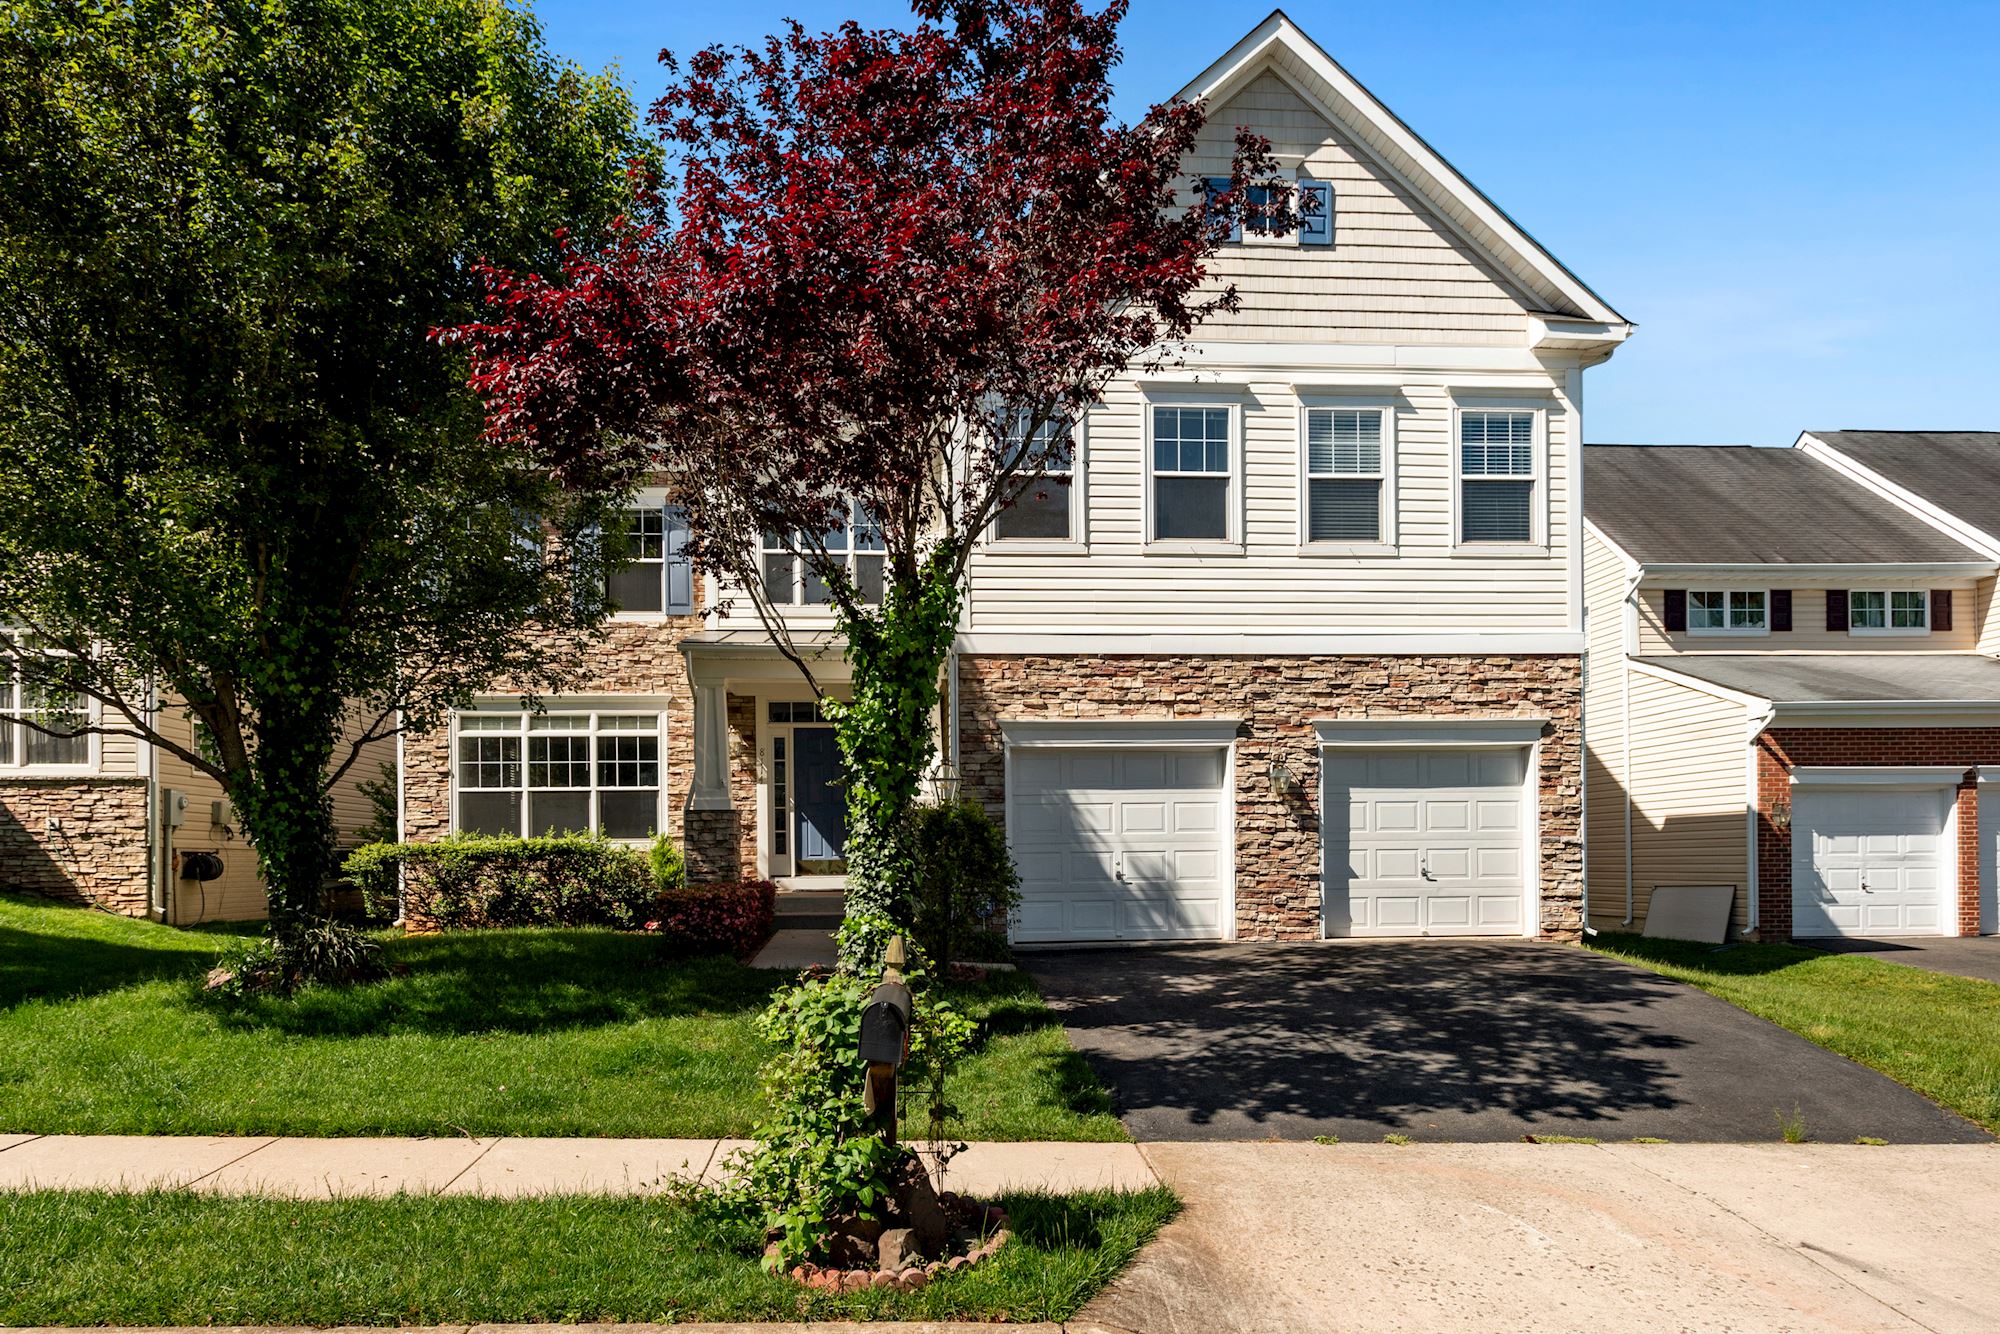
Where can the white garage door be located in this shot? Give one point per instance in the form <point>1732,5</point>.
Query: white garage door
<point>1119,844</point>
<point>1425,842</point>
<point>1869,863</point>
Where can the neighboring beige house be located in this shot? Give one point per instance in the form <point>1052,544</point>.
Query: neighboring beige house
<point>112,821</point>
<point>1297,652</point>
<point>1792,689</point>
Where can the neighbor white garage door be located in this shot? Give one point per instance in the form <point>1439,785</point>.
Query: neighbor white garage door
<point>1119,844</point>
<point>1870,863</point>
<point>1425,842</point>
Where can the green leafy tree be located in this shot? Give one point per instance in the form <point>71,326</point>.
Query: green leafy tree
<point>238,472</point>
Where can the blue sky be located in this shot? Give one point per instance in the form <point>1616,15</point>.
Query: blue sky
<point>1799,204</point>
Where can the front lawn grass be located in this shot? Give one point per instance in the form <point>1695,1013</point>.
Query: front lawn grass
<point>1933,1032</point>
<point>103,1030</point>
<point>177,1258</point>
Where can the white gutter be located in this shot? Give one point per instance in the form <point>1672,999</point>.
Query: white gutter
<point>1754,729</point>
<point>1881,569</point>
<point>1625,722</point>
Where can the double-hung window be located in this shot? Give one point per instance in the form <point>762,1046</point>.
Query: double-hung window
<point>22,703</point>
<point>1730,611</point>
<point>1346,500</point>
<point>1497,476</point>
<point>789,581</point>
<point>657,576</point>
<point>1043,507</point>
<point>536,774</point>
<point>1890,611</point>
<point>1193,478</point>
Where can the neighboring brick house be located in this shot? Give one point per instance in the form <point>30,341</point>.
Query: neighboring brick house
<point>1793,691</point>
<point>1297,652</point>
<point>110,821</point>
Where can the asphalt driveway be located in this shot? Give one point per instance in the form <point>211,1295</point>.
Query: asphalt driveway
<point>1967,956</point>
<point>1451,1041</point>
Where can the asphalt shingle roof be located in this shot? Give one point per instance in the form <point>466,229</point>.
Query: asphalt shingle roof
<point>1787,678</point>
<point>1958,471</point>
<point>1734,504</point>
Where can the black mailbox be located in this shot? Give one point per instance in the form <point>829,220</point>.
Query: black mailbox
<point>885,1026</point>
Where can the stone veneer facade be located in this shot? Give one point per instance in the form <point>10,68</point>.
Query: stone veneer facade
<point>1279,698</point>
<point>1782,749</point>
<point>97,852</point>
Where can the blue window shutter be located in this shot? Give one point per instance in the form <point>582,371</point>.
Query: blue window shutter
<point>680,572</point>
<point>1315,213</point>
<point>1219,185</point>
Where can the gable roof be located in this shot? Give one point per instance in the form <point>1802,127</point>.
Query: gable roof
<point>1957,472</point>
<point>1280,45</point>
<point>1739,505</point>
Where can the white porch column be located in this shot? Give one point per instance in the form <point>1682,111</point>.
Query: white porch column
<point>710,791</point>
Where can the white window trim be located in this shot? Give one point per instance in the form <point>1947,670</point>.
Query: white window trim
<point>1885,630</point>
<point>1725,629</point>
<point>92,764</point>
<point>1538,511</point>
<point>1232,545</point>
<point>799,611</point>
<point>654,497</point>
<point>640,707</point>
<point>1078,542</point>
<point>1310,403</point>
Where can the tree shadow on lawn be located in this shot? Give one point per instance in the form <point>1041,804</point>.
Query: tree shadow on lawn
<point>524,980</point>
<point>69,951</point>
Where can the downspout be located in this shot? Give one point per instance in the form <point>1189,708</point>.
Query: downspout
<point>1625,749</point>
<point>402,832</point>
<point>1757,726</point>
<point>1583,724</point>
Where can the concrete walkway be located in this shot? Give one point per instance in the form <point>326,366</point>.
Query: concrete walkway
<point>808,913</point>
<point>328,1168</point>
<point>1492,1237</point>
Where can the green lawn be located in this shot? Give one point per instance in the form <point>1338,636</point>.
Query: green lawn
<point>558,1032</point>
<point>1936,1033</point>
<point>85,1258</point>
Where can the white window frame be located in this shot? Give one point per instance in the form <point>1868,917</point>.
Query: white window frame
<point>1232,543</point>
<point>798,608</point>
<point>1888,596</point>
<point>1538,508</point>
<point>1727,628</point>
<point>564,708</point>
<point>655,498</point>
<point>17,765</point>
<point>1387,545</point>
<point>1078,540</point>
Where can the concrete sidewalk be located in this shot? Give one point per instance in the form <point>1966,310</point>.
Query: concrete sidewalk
<point>326,1168</point>
<point>1492,1237</point>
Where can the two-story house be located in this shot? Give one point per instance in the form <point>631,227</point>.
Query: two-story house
<point>1297,651</point>
<point>1793,692</point>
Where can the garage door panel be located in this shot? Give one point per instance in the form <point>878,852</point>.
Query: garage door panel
<point>1431,842</point>
<point>1870,863</point>
<point>1119,844</point>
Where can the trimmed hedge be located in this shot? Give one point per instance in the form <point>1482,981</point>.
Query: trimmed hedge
<point>730,917</point>
<point>475,880</point>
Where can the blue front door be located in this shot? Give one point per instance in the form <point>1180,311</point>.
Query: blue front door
<point>817,797</point>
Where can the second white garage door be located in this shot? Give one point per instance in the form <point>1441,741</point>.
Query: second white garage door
<point>1869,863</point>
<point>1119,843</point>
<point>1425,842</point>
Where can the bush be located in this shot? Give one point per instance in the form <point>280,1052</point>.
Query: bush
<point>473,880</point>
<point>326,953</point>
<point>966,883</point>
<point>670,870</point>
<point>732,917</point>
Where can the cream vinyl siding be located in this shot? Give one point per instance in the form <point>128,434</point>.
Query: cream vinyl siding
<point>1604,580</point>
<point>1988,616</point>
<point>1809,633</point>
<point>1688,823</point>
<point>1271,586</point>
<point>238,895</point>
<point>1394,273</point>
<point>117,756</point>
